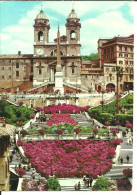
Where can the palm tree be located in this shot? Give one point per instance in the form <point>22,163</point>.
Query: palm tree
<point>119,70</point>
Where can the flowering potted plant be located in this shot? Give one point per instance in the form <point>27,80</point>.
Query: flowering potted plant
<point>20,172</point>
<point>20,103</point>
<point>35,91</point>
<point>32,116</point>
<point>24,91</point>
<point>114,131</point>
<point>23,132</point>
<point>41,131</point>
<point>107,123</point>
<point>128,125</point>
<point>15,91</point>
<point>107,90</point>
<point>119,95</point>
<point>101,102</point>
<point>68,91</point>
<point>77,131</point>
<point>8,90</point>
<point>60,131</point>
<point>78,91</point>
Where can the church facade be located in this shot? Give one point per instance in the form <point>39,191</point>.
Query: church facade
<point>25,71</point>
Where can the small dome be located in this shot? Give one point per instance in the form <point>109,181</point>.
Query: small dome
<point>41,15</point>
<point>73,14</point>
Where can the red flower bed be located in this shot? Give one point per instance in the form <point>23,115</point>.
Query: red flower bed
<point>70,158</point>
<point>64,108</point>
<point>56,119</point>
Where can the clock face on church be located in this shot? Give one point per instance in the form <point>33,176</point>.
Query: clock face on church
<point>39,51</point>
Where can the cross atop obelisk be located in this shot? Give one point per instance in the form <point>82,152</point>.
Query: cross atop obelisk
<point>58,68</point>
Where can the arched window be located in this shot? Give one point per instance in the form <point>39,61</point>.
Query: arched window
<point>40,36</point>
<point>54,53</point>
<point>72,35</point>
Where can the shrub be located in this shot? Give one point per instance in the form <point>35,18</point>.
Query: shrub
<point>127,172</point>
<point>123,118</point>
<point>102,184</point>
<point>53,184</point>
<point>124,184</point>
<point>105,116</point>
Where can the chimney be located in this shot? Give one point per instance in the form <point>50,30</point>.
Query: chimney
<point>19,52</point>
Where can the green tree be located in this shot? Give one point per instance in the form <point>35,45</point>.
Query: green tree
<point>53,184</point>
<point>102,184</point>
<point>92,56</point>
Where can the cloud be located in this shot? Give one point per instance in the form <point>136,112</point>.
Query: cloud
<point>106,25</point>
<point>110,23</point>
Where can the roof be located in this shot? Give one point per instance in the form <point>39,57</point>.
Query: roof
<point>6,131</point>
<point>129,39</point>
<point>72,14</point>
<point>16,56</point>
<point>41,15</point>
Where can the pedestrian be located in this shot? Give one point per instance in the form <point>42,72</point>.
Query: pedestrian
<point>79,185</point>
<point>88,183</point>
<point>121,160</point>
<point>91,180</point>
<point>11,157</point>
<point>127,158</point>
<point>76,187</point>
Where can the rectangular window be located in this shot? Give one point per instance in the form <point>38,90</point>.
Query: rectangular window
<point>31,68</point>
<point>40,71</point>
<point>17,73</point>
<point>73,71</point>
<point>17,64</point>
<point>9,68</point>
<point>2,68</point>
<point>9,76</point>
<point>2,77</point>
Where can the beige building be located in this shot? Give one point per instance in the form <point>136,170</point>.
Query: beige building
<point>5,133</point>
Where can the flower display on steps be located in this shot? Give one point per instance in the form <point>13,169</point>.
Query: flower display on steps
<point>70,158</point>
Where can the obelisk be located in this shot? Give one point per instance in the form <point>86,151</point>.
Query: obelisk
<point>58,74</point>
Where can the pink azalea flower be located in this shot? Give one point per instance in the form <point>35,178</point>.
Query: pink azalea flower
<point>128,125</point>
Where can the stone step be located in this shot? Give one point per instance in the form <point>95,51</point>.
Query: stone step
<point>72,188</point>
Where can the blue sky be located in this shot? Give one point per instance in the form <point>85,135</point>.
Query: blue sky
<point>98,19</point>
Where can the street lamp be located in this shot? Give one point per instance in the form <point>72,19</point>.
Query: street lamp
<point>51,173</point>
<point>119,70</point>
<point>102,100</point>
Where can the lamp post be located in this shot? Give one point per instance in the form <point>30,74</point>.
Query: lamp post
<point>51,173</point>
<point>102,99</point>
<point>119,71</point>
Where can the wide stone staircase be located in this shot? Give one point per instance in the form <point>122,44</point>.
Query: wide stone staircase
<point>81,119</point>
